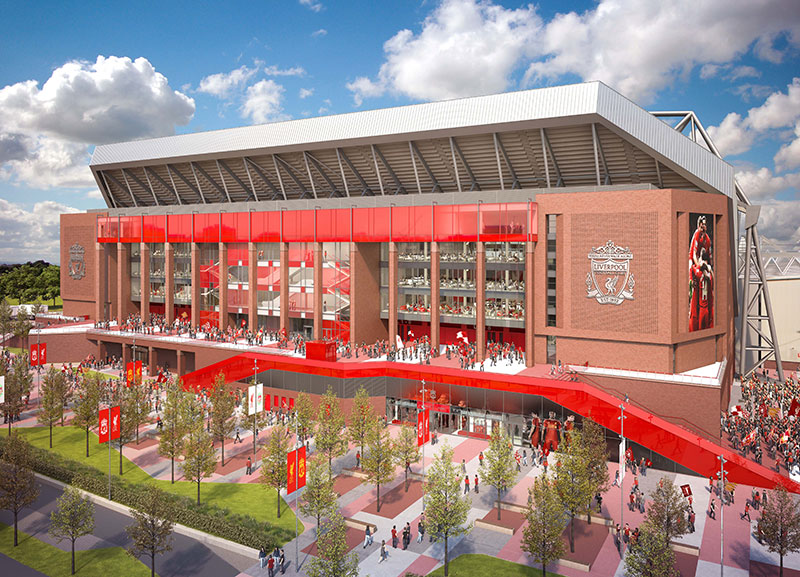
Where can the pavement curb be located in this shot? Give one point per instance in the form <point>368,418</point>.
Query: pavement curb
<point>202,537</point>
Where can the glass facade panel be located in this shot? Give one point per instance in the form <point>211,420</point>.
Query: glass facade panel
<point>301,283</point>
<point>238,276</point>
<point>269,280</point>
<point>209,284</point>
<point>336,290</point>
<point>182,263</point>
<point>157,272</point>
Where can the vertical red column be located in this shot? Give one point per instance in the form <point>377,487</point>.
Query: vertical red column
<point>123,282</point>
<point>529,303</point>
<point>355,281</point>
<point>393,269</point>
<point>144,281</point>
<point>252,287</point>
<point>181,368</point>
<point>101,287</point>
<point>435,295</point>
<point>169,282</point>
<point>152,364</point>
<point>195,284</point>
<point>319,290</point>
<point>223,286</point>
<point>480,301</point>
<point>284,296</point>
<point>126,356</point>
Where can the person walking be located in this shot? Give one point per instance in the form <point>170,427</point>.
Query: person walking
<point>394,536</point>
<point>466,484</point>
<point>691,520</point>
<point>271,566</point>
<point>358,459</point>
<point>367,537</point>
<point>746,513</point>
<point>262,557</point>
<point>282,562</point>
<point>476,484</point>
<point>249,466</point>
<point>238,439</point>
<point>421,529</point>
<point>384,552</point>
<point>463,467</point>
<point>616,479</point>
<point>712,509</point>
<point>480,459</point>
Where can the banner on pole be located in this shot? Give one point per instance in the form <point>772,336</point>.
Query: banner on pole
<point>423,427</point>
<point>2,390</point>
<point>794,409</point>
<point>621,460</point>
<point>115,423</point>
<point>295,470</point>
<point>103,427</point>
<point>138,372</point>
<point>259,397</point>
<point>301,467</point>
<point>34,355</point>
<point>251,400</point>
<point>42,354</point>
<point>129,371</point>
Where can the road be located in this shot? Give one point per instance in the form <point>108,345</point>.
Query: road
<point>188,558</point>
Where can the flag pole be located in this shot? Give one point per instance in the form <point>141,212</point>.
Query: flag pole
<point>296,506</point>
<point>109,446</point>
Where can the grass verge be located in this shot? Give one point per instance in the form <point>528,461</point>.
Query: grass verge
<point>472,564</point>
<point>54,562</point>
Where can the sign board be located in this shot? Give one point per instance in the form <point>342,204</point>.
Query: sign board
<point>621,460</point>
<point>423,427</point>
<point>251,400</point>
<point>105,427</point>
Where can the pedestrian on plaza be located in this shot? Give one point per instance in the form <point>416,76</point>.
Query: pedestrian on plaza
<point>616,479</point>
<point>631,500</point>
<point>476,484</point>
<point>271,566</point>
<point>641,503</point>
<point>710,483</point>
<point>544,464</point>
<point>712,509</point>
<point>420,529</point>
<point>262,557</point>
<point>358,460</point>
<point>406,537</point>
<point>463,467</point>
<point>691,520</point>
<point>626,534</point>
<point>249,466</point>
<point>282,562</point>
<point>599,498</point>
<point>524,458</point>
<point>746,513</point>
<point>643,467</point>
<point>480,458</point>
<point>394,536</point>
<point>367,537</point>
<point>636,483</point>
<point>238,439</point>
<point>384,552</point>
<point>757,501</point>
<point>466,484</point>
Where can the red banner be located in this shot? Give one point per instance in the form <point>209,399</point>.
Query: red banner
<point>296,470</point>
<point>138,372</point>
<point>38,355</point>
<point>686,490</point>
<point>129,372</point>
<point>42,353</point>
<point>115,423</point>
<point>423,427</point>
<point>103,426</point>
<point>795,408</point>
<point>291,403</point>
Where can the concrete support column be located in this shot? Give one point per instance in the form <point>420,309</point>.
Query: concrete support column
<point>480,301</point>
<point>529,303</point>
<point>126,357</point>
<point>435,295</point>
<point>144,280</point>
<point>195,285</point>
<point>252,287</point>
<point>169,282</point>
<point>393,270</point>
<point>319,290</point>
<point>123,296</point>
<point>181,368</point>
<point>284,296</point>
<point>152,365</point>
<point>223,286</point>
<point>355,283</point>
<point>101,287</point>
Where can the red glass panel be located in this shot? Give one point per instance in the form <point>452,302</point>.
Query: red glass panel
<point>533,222</point>
<point>412,223</point>
<point>455,222</point>
<point>298,225</point>
<point>504,222</point>
<point>235,227</point>
<point>266,226</point>
<point>333,225</point>
<point>130,229</point>
<point>206,227</point>
<point>107,229</point>
<point>301,252</point>
<point>371,224</point>
<point>154,228</point>
<point>179,227</point>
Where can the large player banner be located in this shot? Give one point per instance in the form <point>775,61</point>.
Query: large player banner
<point>296,470</point>
<point>701,272</point>
<point>423,427</point>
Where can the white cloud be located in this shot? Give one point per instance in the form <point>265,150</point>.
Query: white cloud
<point>276,71</point>
<point>780,221</point>
<point>762,184</point>
<point>263,102</point>
<point>30,234</point>
<point>46,132</point>
<point>788,157</point>
<point>732,136</point>
<point>750,91</point>
<point>743,72</point>
<point>305,93</point>
<point>222,83</point>
<point>709,71</point>
<point>465,47</point>
<point>319,33</point>
<point>313,5</point>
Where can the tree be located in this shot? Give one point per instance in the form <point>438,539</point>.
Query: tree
<point>273,461</point>
<point>362,415</point>
<point>541,538</point>
<point>573,481</point>
<point>200,459</point>
<point>652,556</point>
<point>499,465</point>
<point>223,403</point>
<point>21,328</point>
<point>330,440</point>
<point>18,487</point>
<point>73,518</point>
<point>133,408</point>
<point>405,450</point>
<point>667,511</point>
<point>593,438</point>
<point>447,508</point>
<point>779,524</point>
<point>18,387</point>
<point>151,531</point>
<point>6,322</point>
<point>319,498</point>
<point>333,558</point>
<point>304,409</point>
<point>51,409</point>
<point>86,408</point>
<point>170,444</point>
<point>378,461</point>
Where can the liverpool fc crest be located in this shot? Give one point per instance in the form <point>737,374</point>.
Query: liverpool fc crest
<point>610,279</point>
<point>77,266</point>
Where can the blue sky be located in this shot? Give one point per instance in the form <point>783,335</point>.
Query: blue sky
<point>73,75</point>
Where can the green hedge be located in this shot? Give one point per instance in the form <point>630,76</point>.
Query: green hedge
<point>206,517</point>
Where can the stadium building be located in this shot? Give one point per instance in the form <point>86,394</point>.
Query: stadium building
<point>568,222</point>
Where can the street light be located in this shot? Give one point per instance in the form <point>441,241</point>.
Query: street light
<point>255,379</point>
<point>423,437</point>
<point>722,462</point>
<point>621,419</point>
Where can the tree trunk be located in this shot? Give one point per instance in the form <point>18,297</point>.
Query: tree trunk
<point>87,441</point>
<point>572,534</point>
<point>173,470</point>
<point>152,565</point>
<point>278,492</point>
<point>15,543</point>
<point>222,446</point>
<point>9,417</point>
<point>378,486</point>
<point>15,531</point>
<point>198,490</point>
<point>51,434</point>
<point>406,481</point>
<point>446,557</point>
<point>73,557</point>
<point>544,570</point>
<point>498,504</point>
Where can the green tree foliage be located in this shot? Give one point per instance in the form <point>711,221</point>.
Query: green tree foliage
<point>667,511</point>
<point>273,461</point>
<point>73,518</point>
<point>362,415</point>
<point>405,449</point>
<point>319,498</point>
<point>330,422</point>
<point>499,465</point>
<point>779,524</point>
<point>6,322</point>
<point>573,481</point>
<point>333,557</point>
<point>200,459</point>
<point>378,461</point>
<point>170,443</point>
<point>30,281</point>
<point>87,403</point>
<point>18,387</point>
<point>593,438</point>
<point>223,404</point>
<point>304,408</point>
<point>447,508</point>
<point>652,556</point>
<point>51,409</point>
<point>541,538</point>
<point>151,531</point>
<point>18,488</point>
<point>134,408</point>
<point>21,327</point>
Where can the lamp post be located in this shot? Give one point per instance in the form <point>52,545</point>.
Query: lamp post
<point>722,462</point>
<point>423,438</point>
<point>255,378</point>
<point>621,418</point>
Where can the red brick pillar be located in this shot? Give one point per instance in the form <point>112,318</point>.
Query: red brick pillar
<point>123,296</point>
<point>195,299</point>
<point>284,296</point>
<point>393,270</point>
<point>529,303</point>
<point>319,290</point>
<point>252,287</point>
<point>480,301</point>
<point>152,365</point>
<point>144,280</point>
<point>435,295</point>
<point>126,357</point>
<point>101,287</point>
<point>223,286</point>
<point>181,368</point>
<point>169,282</point>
